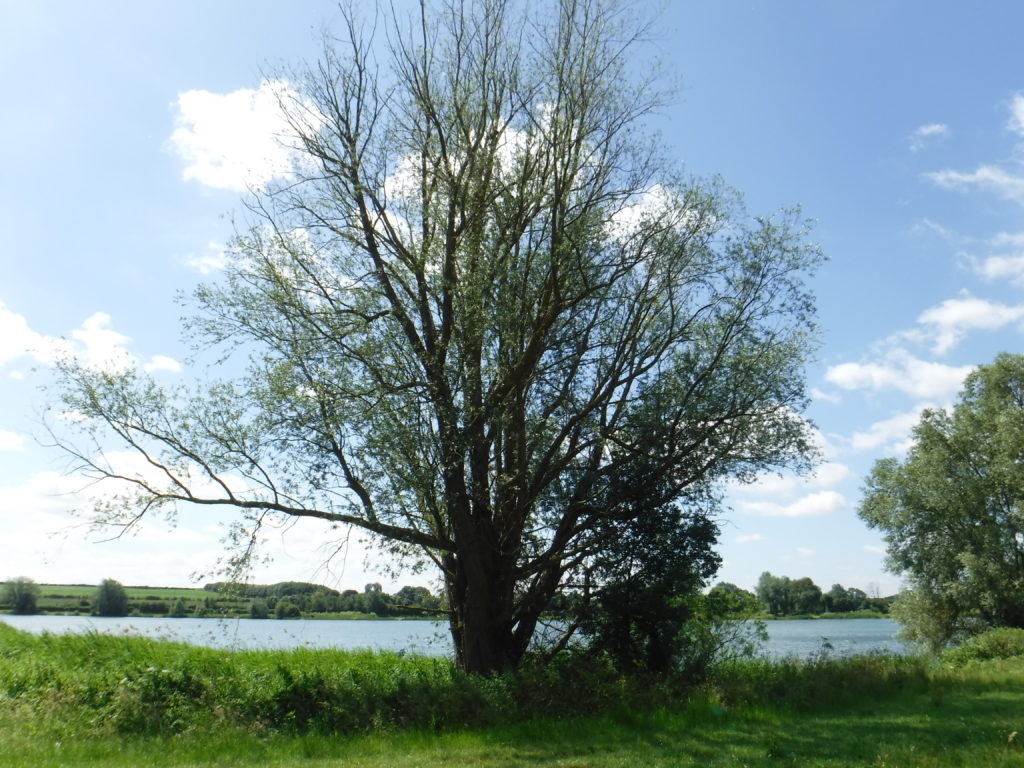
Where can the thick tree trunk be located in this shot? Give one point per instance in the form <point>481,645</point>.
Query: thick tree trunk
<point>482,622</point>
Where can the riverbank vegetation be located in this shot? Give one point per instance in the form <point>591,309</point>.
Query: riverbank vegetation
<point>100,700</point>
<point>284,600</point>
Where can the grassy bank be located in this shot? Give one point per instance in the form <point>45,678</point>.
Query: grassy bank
<point>130,701</point>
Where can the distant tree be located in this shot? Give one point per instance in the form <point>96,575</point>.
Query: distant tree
<point>22,594</point>
<point>110,599</point>
<point>375,600</point>
<point>774,592</point>
<point>258,609</point>
<point>178,609</point>
<point>951,510</point>
<point>804,596</point>
<point>285,609</point>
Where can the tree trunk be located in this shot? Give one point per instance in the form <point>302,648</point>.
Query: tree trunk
<point>481,621</point>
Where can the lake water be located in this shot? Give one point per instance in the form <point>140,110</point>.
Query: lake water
<point>797,637</point>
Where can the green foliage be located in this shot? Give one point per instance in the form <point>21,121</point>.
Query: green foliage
<point>951,511</point>
<point>1000,643</point>
<point>258,609</point>
<point>542,305</point>
<point>646,578</point>
<point>110,599</point>
<point>285,609</point>
<point>22,595</point>
<point>178,609</point>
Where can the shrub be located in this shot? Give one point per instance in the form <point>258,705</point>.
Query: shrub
<point>1000,643</point>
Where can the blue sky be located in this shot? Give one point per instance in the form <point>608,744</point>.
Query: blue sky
<point>128,130</point>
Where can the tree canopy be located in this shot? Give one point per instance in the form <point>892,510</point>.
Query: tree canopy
<point>480,316</point>
<point>951,510</point>
<point>111,598</point>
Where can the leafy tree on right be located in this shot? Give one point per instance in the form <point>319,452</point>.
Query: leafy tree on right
<point>952,511</point>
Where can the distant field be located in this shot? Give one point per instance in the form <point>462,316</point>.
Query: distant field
<point>141,593</point>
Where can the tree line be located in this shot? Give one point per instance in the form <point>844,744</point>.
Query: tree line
<point>24,596</point>
<point>783,596</point>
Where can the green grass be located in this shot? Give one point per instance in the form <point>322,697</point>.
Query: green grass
<point>93,700</point>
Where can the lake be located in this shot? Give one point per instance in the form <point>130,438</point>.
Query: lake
<point>796,637</point>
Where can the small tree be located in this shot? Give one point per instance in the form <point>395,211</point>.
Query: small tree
<point>643,582</point>
<point>178,609</point>
<point>22,594</point>
<point>110,599</point>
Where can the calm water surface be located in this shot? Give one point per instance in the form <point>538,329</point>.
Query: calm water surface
<point>798,637</point>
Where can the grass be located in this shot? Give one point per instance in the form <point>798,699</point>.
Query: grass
<point>866,711</point>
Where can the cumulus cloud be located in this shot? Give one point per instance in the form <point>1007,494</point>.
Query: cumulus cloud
<point>950,322</point>
<point>892,433</point>
<point>95,343</point>
<point>748,538</point>
<point>235,140</point>
<point>925,134</point>
<point>821,503</point>
<point>903,372</point>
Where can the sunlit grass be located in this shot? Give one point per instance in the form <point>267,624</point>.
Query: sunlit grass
<point>874,711</point>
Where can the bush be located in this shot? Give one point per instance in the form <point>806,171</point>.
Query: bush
<point>1001,643</point>
<point>284,609</point>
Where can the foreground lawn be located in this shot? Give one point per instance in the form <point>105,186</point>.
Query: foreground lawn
<point>967,717</point>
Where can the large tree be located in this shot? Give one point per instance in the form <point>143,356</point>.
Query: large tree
<point>951,511</point>
<point>481,300</point>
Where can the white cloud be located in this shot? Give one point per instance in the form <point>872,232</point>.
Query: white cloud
<point>212,261</point>
<point>805,552</point>
<point>748,538</point>
<point>95,343</point>
<point>828,397</point>
<point>1016,121</point>
<point>235,140</point>
<point>875,549</point>
<point>821,503</point>
<point>1002,268</point>
<point>825,476</point>
<point>903,372</point>
<point>10,441</point>
<point>1008,265</point>
<point>18,340</point>
<point>893,432</point>
<point>162,363</point>
<point>991,178</point>
<point>951,321</point>
<point>926,133</point>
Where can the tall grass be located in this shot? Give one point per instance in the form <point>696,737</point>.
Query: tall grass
<point>102,684</point>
